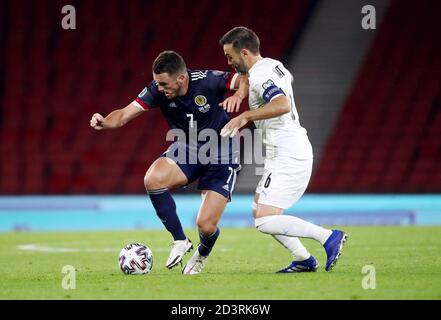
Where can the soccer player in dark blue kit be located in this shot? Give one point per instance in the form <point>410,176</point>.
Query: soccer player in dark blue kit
<point>190,100</point>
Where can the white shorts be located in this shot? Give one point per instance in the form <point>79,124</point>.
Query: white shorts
<point>284,181</point>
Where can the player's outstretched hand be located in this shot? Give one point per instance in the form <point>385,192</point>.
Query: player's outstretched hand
<point>97,121</point>
<point>233,126</point>
<point>231,104</point>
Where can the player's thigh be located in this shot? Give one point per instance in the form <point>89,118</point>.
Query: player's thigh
<point>220,178</point>
<point>282,185</point>
<point>164,173</point>
<point>259,209</point>
<point>211,210</point>
<point>262,210</point>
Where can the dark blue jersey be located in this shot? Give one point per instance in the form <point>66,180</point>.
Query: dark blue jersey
<point>199,107</point>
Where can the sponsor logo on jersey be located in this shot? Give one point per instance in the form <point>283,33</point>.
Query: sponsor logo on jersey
<point>172,105</point>
<point>267,84</point>
<point>204,108</point>
<point>201,102</point>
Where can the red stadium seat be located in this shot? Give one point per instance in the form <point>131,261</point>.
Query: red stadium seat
<point>386,138</point>
<point>395,103</point>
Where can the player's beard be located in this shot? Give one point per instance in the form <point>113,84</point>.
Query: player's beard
<point>241,68</point>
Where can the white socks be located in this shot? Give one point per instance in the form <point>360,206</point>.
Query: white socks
<point>294,246</point>
<point>292,227</point>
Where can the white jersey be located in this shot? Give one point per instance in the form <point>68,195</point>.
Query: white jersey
<point>283,135</point>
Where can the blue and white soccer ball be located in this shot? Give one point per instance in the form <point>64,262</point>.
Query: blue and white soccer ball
<point>136,258</point>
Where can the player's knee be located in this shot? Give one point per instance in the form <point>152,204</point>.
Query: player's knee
<point>257,224</point>
<point>154,181</point>
<point>206,226</point>
<point>254,209</point>
<point>263,224</point>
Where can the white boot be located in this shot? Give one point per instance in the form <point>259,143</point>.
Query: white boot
<point>195,264</point>
<point>179,249</point>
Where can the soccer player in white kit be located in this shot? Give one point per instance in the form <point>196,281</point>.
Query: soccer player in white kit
<point>288,162</point>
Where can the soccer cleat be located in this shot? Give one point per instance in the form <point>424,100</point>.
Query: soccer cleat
<point>179,249</point>
<point>195,264</point>
<point>308,265</point>
<point>333,247</point>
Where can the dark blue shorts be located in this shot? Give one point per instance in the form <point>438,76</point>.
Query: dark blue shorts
<point>218,176</point>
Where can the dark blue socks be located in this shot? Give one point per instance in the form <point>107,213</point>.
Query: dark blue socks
<point>166,210</point>
<point>207,243</point>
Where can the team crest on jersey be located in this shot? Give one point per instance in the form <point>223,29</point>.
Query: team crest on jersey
<point>201,102</point>
<point>267,84</point>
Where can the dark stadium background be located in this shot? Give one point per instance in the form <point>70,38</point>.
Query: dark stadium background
<point>370,99</point>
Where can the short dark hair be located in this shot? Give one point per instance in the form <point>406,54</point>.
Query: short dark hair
<point>242,38</point>
<point>169,62</point>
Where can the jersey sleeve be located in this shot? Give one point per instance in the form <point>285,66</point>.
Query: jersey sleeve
<point>147,99</point>
<point>266,87</point>
<point>223,81</point>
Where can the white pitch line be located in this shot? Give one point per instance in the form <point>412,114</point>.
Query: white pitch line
<point>54,249</point>
<point>46,248</point>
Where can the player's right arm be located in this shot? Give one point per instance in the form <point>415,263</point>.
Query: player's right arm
<point>116,118</point>
<point>232,103</point>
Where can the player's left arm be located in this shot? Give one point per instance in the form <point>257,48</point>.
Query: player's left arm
<point>275,108</point>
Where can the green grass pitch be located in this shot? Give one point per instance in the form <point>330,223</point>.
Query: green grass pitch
<point>407,265</point>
